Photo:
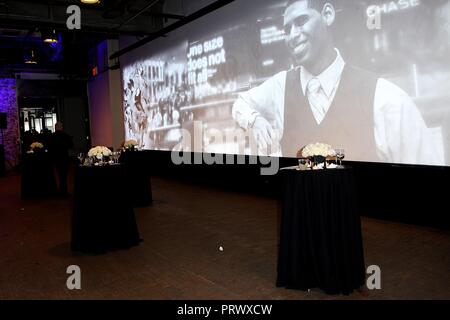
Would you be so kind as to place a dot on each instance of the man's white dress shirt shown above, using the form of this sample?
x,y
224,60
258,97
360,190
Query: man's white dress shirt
x,y
401,135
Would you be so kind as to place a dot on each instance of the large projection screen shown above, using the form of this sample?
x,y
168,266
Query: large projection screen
x,y
269,77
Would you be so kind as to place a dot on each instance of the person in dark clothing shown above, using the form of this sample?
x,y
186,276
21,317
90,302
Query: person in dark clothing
x,y
45,137
61,142
28,138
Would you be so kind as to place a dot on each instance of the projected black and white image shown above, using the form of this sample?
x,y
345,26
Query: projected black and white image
x,y
290,73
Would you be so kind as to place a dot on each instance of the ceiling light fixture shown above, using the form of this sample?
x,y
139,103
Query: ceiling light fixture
x,y
30,59
90,1
51,37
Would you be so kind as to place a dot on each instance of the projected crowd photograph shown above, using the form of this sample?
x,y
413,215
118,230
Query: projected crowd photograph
x,y
294,76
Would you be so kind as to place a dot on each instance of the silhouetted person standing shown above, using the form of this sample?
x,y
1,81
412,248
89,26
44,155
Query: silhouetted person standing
x,y
45,137
61,142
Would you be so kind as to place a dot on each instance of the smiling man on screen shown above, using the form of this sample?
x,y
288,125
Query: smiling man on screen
x,y
325,99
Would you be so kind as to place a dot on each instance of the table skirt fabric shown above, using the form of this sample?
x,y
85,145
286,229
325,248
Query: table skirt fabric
x,y
103,215
320,236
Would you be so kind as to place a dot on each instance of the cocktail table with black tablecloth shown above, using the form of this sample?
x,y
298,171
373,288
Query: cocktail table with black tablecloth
x,y
38,176
320,236
138,175
103,215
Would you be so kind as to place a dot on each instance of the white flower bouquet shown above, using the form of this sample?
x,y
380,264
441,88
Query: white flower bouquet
x,y
36,145
130,144
99,152
318,150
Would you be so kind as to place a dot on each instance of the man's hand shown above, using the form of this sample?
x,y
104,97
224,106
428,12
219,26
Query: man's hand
x,y
263,134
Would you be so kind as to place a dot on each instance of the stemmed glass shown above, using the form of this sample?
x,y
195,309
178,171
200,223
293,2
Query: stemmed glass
x,y
301,163
340,155
116,156
81,157
100,159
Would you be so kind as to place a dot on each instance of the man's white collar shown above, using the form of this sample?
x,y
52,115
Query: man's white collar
x,y
328,79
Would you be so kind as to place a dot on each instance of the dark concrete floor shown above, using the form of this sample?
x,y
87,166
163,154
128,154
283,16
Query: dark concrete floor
x,y
179,258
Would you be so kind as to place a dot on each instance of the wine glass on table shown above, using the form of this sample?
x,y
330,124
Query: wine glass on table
x,y
116,156
81,158
340,155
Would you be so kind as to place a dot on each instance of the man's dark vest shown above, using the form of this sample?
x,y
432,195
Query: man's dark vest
x,y
348,123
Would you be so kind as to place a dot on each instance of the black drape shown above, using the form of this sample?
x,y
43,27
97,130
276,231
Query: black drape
x,y
138,177
320,236
103,216
38,178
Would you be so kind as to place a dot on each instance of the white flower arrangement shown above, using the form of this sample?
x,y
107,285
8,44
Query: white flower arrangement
x,y
318,149
36,145
99,152
130,144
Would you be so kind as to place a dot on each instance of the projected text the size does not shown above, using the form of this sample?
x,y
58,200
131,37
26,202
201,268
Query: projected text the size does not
x,y
210,45
213,59
197,61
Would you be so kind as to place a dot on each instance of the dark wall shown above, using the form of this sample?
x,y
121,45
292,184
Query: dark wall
x,y
2,160
50,88
408,194
73,112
